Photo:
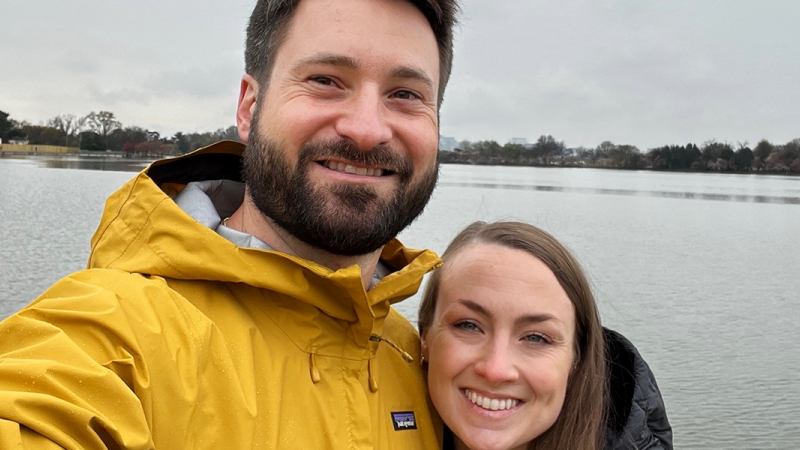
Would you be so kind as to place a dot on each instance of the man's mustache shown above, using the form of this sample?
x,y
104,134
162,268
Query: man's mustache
x,y
381,156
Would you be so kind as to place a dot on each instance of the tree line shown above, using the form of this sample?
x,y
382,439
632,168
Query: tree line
x,y
713,156
101,131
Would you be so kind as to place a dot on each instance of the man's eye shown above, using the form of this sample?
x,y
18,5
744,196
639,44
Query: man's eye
x,y
466,325
326,81
406,95
537,338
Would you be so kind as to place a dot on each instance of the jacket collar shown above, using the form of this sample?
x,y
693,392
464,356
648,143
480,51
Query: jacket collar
x,y
143,231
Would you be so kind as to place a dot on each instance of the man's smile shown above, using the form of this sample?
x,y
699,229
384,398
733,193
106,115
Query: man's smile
x,y
355,169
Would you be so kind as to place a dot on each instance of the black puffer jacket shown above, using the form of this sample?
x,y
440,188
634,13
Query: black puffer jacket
x,y
637,419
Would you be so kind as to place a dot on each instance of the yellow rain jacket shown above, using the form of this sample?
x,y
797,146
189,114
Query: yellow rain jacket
x,y
175,338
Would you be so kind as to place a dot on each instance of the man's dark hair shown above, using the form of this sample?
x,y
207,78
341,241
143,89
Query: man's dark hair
x,y
270,21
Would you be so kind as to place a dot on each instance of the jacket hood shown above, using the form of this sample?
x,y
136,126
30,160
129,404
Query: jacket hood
x,y
144,231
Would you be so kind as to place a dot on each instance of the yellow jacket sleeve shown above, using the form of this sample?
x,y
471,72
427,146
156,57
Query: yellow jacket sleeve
x,y
71,367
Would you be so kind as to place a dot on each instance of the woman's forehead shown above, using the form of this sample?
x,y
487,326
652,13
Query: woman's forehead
x,y
507,280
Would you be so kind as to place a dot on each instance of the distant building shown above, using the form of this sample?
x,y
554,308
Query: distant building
x,y
521,141
447,144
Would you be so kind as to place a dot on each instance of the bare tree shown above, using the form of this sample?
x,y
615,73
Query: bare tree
x,y
102,123
547,147
604,149
67,124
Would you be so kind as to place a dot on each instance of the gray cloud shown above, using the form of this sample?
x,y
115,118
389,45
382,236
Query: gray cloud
x,y
113,98
647,73
203,81
80,64
642,72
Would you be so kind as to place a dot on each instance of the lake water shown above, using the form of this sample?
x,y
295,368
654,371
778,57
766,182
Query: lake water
x,y
700,271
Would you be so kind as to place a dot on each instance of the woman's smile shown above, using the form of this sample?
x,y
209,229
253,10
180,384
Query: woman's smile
x,y
490,403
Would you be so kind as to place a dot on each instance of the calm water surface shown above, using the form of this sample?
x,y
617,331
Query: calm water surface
x,y
700,271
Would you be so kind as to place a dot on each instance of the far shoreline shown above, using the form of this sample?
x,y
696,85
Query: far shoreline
x,y
140,160
622,169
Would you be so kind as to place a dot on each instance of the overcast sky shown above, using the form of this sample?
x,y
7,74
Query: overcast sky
x,y
638,72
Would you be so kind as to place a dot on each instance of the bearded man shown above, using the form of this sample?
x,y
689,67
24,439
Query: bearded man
x,y
241,298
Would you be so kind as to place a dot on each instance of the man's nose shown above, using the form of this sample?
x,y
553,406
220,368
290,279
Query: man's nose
x,y
365,120
497,365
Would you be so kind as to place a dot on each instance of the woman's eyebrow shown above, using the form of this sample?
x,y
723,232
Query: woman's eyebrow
x,y
536,318
522,320
475,307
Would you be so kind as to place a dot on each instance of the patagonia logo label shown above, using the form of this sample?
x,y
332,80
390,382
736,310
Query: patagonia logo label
x,y
404,420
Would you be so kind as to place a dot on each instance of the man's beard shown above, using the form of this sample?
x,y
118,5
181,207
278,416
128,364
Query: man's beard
x,y
342,219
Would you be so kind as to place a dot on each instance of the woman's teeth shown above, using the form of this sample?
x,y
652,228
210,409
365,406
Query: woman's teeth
x,y
490,403
347,168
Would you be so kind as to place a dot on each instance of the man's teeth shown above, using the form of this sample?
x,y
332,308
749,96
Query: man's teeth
x,y
490,403
347,168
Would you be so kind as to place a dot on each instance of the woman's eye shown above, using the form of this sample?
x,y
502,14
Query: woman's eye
x,y
536,338
406,95
467,326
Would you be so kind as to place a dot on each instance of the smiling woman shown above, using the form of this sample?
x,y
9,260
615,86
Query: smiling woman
x,y
513,341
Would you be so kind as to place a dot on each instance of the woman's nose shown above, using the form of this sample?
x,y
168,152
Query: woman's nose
x,y
497,365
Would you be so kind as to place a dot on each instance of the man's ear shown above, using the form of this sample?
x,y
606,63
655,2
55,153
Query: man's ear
x,y
248,95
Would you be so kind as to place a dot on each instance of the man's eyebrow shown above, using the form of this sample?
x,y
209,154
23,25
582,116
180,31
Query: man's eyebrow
x,y
330,59
411,73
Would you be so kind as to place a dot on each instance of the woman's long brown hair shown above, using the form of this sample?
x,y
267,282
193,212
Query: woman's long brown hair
x,y
581,424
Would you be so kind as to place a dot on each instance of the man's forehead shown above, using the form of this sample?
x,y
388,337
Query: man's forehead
x,y
339,26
